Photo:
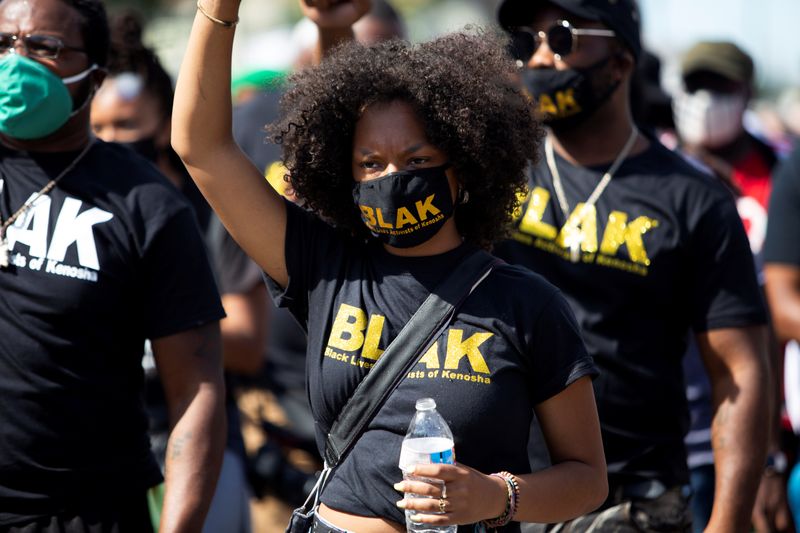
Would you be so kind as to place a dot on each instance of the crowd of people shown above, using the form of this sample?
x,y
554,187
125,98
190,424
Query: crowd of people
x,y
617,271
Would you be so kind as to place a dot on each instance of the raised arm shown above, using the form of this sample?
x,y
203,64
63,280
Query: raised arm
x,y
250,209
737,366
783,291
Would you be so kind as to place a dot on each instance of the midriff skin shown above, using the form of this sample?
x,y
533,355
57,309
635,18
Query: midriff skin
x,y
360,524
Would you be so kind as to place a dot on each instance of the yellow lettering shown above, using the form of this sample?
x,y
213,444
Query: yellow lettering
x,y
581,225
546,105
431,357
531,223
382,223
423,208
348,327
368,215
456,349
404,217
373,337
567,105
619,232
522,197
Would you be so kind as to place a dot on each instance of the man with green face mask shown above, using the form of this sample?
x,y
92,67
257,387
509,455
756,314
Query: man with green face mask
x,y
97,253
646,250
36,102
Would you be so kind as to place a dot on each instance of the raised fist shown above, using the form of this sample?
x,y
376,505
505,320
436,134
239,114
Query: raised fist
x,y
330,14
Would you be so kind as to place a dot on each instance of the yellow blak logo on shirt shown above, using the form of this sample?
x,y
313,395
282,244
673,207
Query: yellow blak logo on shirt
x,y
355,339
582,225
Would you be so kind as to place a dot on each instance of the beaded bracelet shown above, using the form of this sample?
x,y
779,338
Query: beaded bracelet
x,y
215,20
511,503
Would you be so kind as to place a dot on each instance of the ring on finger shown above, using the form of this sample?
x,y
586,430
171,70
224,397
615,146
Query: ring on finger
x,y
442,504
444,491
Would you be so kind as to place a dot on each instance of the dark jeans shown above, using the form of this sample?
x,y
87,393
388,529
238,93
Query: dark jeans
x,y
129,515
322,526
702,481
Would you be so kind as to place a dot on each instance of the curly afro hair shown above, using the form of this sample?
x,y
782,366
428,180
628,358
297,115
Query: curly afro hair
x,y
465,91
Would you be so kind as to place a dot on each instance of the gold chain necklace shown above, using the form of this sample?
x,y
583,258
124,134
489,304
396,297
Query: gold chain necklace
x,y
5,249
573,239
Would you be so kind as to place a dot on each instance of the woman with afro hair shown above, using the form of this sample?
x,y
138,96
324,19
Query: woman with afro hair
x,y
409,159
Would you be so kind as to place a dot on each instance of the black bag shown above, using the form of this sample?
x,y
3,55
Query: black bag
x,y
419,333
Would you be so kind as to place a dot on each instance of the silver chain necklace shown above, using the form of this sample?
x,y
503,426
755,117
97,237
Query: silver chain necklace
x,y
574,238
5,249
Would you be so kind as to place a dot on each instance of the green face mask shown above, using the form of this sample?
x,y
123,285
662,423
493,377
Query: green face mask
x,y
34,102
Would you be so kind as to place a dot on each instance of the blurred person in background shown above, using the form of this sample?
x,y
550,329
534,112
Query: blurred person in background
x,y
97,253
782,272
788,109
717,85
646,249
651,105
381,23
133,107
134,104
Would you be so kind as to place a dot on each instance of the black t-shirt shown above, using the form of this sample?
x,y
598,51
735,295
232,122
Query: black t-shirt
x,y
512,345
109,257
665,253
783,229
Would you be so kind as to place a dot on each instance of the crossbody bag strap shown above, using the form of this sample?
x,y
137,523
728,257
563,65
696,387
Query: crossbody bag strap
x,y
419,333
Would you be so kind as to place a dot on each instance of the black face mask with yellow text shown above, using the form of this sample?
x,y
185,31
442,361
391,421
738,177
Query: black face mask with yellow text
x,y
565,98
405,209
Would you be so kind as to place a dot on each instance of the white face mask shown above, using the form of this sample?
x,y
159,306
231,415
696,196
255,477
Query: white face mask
x,y
707,118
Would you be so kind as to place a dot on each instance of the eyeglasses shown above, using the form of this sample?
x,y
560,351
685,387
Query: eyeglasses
x,y
561,37
41,46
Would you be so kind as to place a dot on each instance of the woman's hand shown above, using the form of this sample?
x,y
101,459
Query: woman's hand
x,y
335,14
468,496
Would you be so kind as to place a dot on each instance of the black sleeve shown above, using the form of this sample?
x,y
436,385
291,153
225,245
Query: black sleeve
x,y
558,354
311,247
236,272
179,288
783,227
724,285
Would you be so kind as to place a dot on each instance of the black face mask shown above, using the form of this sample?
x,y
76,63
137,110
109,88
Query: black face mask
x,y
145,147
405,209
565,98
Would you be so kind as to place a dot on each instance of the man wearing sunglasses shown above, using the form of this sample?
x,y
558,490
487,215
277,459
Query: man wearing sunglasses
x,y
97,253
646,250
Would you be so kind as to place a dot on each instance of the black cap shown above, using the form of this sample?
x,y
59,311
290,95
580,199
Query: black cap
x,y
622,16
720,57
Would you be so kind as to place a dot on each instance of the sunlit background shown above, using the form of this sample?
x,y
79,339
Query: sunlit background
x,y
271,34
268,37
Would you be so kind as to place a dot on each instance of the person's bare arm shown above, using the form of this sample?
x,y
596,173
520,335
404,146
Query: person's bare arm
x,y
737,366
250,209
783,293
190,366
576,483
244,330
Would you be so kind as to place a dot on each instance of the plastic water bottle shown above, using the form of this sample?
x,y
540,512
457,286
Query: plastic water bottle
x,y
429,440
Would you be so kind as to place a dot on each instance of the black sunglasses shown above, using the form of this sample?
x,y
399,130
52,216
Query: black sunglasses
x,y
41,46
561,37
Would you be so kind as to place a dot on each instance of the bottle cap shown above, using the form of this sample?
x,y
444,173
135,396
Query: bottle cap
x,y
426,404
